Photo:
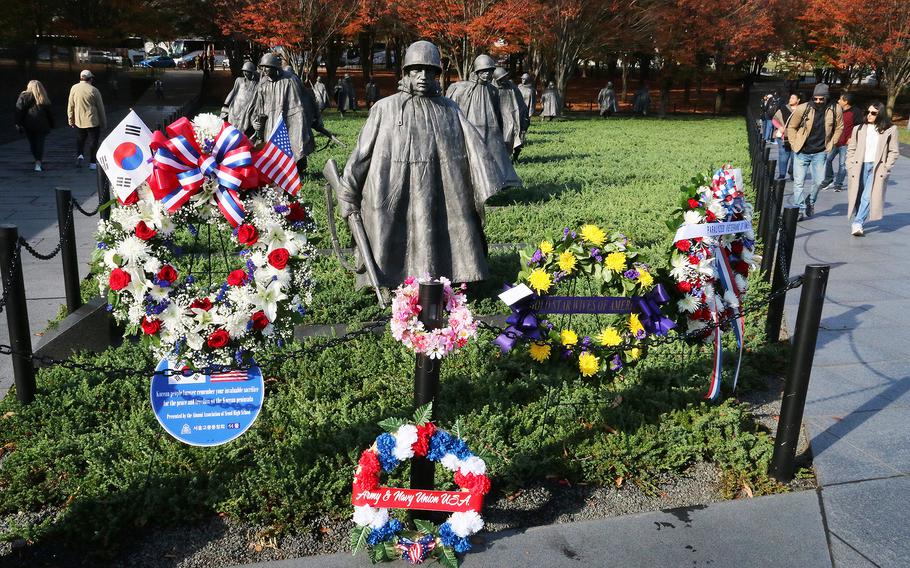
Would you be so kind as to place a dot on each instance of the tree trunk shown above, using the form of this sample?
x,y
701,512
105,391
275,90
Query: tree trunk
x,y
331,64
891,99
687,90
365,43
665,83
625,77
719,97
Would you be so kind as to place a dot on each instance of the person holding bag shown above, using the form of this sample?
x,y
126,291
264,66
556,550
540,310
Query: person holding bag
x,y
34,118
871,154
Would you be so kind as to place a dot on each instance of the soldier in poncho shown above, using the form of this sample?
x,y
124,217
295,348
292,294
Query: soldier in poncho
x,y
479,101
606,100
278,96
419,176
515,118
321,93
238,100
371,92
528,93
550,102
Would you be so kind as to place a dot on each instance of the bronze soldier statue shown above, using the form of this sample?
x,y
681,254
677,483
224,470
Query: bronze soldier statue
x,y
417,182
371,92
321,93
479,101
551,103
515,118
606,100
277,96
528,93
237,104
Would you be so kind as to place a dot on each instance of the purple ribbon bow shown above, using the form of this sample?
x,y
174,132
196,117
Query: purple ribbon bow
x,y
523,323
648,308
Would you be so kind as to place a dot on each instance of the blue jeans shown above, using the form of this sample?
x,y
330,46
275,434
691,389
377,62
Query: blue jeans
x,y
767,128
841,152
802,163
865,193
784,157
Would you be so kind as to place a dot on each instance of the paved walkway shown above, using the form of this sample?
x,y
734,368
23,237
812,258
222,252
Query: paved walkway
x,y
27,199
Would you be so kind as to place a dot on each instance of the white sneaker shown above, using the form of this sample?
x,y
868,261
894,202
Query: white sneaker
x,y
79,160
856,230
93,166
37,166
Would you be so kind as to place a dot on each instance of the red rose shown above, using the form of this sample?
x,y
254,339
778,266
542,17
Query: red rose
x,y
236,278
119,279
296,213
131,200
684,287
684,245
247,234
167,274
424,433
150,327
473,483
218,339
711,217
279,258
736,247
259,320
693,259
693,203
742,267
202,304
145,232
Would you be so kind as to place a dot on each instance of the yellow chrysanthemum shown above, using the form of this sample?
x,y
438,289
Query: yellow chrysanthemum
x,y
634,353
568,337
616,261
645,278
609,337
539,279
588,364
546,247
540,352
593,234
635,324
567,262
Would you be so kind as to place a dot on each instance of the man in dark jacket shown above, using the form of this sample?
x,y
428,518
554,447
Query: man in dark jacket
x,y
852,117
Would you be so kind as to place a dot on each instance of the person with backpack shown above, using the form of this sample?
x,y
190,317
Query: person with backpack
x,y
779,122
34,118
770,105
871,154
852,117
812,131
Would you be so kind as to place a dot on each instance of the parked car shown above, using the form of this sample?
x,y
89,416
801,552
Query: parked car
x,y
159,61
187,61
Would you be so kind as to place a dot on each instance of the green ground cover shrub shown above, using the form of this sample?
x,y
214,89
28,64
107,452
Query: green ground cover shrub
x,y
90,449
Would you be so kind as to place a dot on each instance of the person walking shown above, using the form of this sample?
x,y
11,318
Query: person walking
x,y
784,151
871,153
85,113
34,118
852,117
812,131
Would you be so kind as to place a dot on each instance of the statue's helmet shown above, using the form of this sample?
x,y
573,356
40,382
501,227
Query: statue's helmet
x,y
483,62
526,76
422,53
270,60
500,72
249,66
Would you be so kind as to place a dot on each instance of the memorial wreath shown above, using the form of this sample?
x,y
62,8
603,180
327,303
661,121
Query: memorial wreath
x,y
605,276
204,178
436,344
712,255
387,538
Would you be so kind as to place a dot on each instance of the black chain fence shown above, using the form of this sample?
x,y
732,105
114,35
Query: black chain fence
x,y
91,213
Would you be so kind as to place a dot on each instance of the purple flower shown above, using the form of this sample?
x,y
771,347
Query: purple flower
x,y
631,274
536,258
109,307
586,342
281,209
615,363
102,246
192,229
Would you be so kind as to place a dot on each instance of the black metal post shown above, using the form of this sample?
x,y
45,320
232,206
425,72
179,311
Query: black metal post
x,y
772,229
426,375
104,194
781,273
811,303
68,249
20,337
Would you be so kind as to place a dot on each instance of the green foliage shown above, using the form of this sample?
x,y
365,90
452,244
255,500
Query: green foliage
x,y
90,449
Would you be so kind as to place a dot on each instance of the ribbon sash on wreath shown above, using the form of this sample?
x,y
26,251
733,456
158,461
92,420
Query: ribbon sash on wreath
x,y
180,168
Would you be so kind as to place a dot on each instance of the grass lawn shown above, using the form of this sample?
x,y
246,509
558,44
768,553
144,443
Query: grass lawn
x,y
904,134
90,454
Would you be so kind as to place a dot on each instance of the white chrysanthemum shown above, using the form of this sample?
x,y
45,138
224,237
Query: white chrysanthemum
x,y
364,515
691,218
404,439
152,264
236,324
473,465
450,462
695,325
741,282
194,340
158,293
680,266
465,524
133,251
730,299
688,303
708,268
135,312
206,125
717,207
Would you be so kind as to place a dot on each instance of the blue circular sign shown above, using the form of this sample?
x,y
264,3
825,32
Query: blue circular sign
x,y
206,410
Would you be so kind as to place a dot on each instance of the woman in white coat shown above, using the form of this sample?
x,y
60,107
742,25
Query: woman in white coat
x,y
871,154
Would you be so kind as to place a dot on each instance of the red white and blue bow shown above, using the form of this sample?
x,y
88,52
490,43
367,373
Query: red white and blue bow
x,y
180,168
416,552
728,282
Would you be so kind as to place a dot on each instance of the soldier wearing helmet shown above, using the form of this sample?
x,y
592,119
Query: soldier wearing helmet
x,y
238,100
528,93
278,96
419,177
515,118
478,99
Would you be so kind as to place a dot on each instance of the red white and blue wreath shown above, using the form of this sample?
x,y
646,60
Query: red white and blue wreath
x,y
387,538
711,259
205,177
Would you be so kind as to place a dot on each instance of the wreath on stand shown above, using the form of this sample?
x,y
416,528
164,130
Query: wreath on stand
x,y
168,286
607,281
386,538
713,253
409,330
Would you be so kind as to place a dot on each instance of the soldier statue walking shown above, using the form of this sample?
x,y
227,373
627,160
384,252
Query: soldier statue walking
x,y
237,104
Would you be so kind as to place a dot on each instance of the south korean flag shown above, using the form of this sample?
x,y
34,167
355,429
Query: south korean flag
x,y
126,156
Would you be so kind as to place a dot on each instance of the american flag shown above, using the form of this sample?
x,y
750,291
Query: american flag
x,y
228,377
276,160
